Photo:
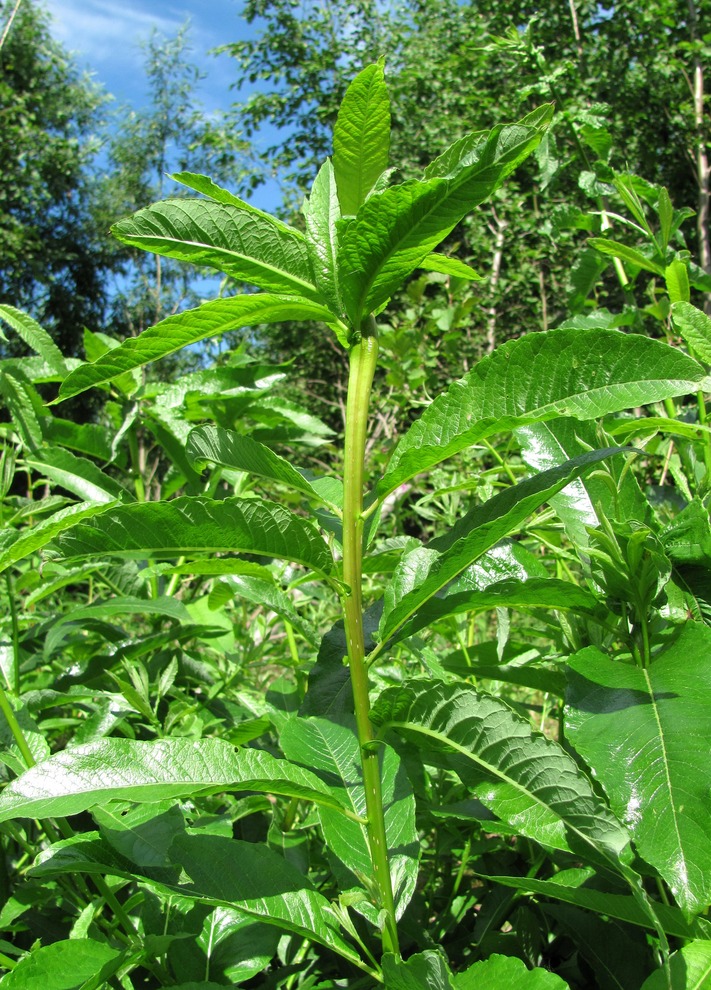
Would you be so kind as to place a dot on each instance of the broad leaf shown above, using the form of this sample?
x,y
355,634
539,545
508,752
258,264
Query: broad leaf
x,y
332,751
233,450
689,969
195,526
247,245
507,973
183,329
396,229
585,374
361,138
128,770
203,184
424,572
643,733
62,965
523,778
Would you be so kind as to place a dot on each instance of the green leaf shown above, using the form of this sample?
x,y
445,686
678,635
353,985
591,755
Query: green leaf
x,y
396,229
426,970
176,332
695,327
60,966
633,257
573,890
82,777
613,488
506,973
580,373
425,571
332,751
689,969
35,337
270,597
523,778
24,406
196,525
42,533
445,265
77,475
233,450
534,593
321,212
676,276
240,242
361,138
643,732
206,186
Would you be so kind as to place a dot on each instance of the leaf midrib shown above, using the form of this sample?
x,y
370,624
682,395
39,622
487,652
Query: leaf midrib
x,y
256,262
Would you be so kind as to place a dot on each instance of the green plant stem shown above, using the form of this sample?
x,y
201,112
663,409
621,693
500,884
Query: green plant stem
x,y
15,634
363,359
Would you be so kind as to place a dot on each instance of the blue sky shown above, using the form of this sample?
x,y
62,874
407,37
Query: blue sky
x,y
105,37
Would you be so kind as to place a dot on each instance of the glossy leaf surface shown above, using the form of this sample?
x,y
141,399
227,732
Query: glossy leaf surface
x,y
332,751
172,334
64,965
75,779
644,732
689,969
361,138
243,243
199,525
521,777
585,374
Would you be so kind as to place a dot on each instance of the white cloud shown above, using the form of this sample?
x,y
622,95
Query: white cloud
x,y
101,31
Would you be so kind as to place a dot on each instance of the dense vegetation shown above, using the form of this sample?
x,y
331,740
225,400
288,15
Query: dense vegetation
x,y
371,647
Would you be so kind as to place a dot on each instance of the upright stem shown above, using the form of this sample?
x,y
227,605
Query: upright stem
x,y
363,359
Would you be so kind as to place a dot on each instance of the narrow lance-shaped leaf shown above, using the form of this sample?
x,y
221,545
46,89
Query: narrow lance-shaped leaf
x,y
536,593
644,732
42,533
35,337
475,533
321,212
82,777
77,474
237,241
521,777
361,138
397,228
199,525
332,751
585,374
183,329
233,450
217,871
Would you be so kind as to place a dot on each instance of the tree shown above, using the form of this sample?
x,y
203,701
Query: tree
x,y
54,256
172,133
